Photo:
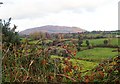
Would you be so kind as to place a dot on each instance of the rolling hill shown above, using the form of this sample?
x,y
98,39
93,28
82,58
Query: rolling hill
x,y
52,29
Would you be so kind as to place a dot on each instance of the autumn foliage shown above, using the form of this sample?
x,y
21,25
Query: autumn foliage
x,y
29,63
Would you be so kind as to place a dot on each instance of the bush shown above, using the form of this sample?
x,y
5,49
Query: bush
x,y
105,42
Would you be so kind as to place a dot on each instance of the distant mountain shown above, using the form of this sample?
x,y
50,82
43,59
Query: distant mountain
x,y
52,29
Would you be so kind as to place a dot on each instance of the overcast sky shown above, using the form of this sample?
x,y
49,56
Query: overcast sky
x,y
87,14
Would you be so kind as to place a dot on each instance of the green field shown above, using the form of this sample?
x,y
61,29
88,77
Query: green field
x,y
97,53
113,41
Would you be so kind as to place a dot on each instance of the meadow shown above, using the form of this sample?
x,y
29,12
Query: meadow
x,y
98,54
112,41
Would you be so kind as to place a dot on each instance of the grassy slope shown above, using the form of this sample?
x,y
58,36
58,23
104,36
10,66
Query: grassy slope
x,y
97,53
85,64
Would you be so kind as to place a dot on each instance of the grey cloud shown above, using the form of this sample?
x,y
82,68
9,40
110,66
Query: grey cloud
x,y
20,9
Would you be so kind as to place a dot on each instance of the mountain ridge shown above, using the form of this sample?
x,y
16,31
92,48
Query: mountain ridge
x,y
52,29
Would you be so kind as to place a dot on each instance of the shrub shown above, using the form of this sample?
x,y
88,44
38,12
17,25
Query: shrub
x,y
105,42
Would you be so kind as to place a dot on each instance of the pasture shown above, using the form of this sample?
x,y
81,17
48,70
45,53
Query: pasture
x,y
112,41
97,54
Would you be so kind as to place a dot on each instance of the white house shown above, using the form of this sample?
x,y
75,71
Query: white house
x,y
118,36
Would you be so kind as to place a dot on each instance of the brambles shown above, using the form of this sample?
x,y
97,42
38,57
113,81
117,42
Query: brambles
x,y
31,64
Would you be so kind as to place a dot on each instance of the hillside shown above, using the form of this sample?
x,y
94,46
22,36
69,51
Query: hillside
x,y
52,29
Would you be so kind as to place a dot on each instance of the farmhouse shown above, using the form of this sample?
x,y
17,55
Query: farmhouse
x,y
118,36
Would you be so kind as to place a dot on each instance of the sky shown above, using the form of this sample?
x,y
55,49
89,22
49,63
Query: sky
x,y
86,14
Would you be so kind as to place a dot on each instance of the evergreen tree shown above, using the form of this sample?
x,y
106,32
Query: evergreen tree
x,y
9,35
